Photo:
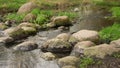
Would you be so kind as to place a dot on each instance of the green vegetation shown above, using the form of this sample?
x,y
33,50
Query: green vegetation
x,y
14,17
110,33
71,15
86,61
11,5
116,55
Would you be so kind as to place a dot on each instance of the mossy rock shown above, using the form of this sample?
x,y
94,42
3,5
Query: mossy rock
x,y
56,45
3,26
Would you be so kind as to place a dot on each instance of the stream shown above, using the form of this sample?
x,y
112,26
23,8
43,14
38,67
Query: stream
x,y
30,59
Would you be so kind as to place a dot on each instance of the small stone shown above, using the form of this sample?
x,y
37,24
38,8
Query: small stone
x,y
48,56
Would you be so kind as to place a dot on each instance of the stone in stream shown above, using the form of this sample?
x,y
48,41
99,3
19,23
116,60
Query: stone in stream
x,y
6,39
26,46
68,60
87,35
59,21
80,46
3,26
101,51
27,7
48,56
56,45
27,24
63,36
21,31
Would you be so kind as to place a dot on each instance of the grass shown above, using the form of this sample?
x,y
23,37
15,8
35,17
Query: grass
x,y
85,61
11,5
14,17
110,33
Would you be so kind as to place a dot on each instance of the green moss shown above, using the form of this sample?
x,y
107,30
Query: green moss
x,y
86,61
116,55
16,33
14,17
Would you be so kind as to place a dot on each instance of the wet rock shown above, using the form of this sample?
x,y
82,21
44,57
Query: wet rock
x,y
26,46
56,46
27,24
69,66
6,40
29,17
59,21
3,26
48,56
69,60
101,51
86,35
80,46
29,30
63,36
20,32
27,7
15,33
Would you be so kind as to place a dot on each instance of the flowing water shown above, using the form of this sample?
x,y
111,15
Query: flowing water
x,y
31,59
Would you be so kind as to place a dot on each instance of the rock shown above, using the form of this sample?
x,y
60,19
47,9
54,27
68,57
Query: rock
x,y
87,35
3,26
29,17
115,43
76,9
6,40
56,46
48,56
26,46
68,60
73,40
29,30
101,51
80,46
27,24
68,66
15,33
27,7
63,36
20,32
7,31
59,21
